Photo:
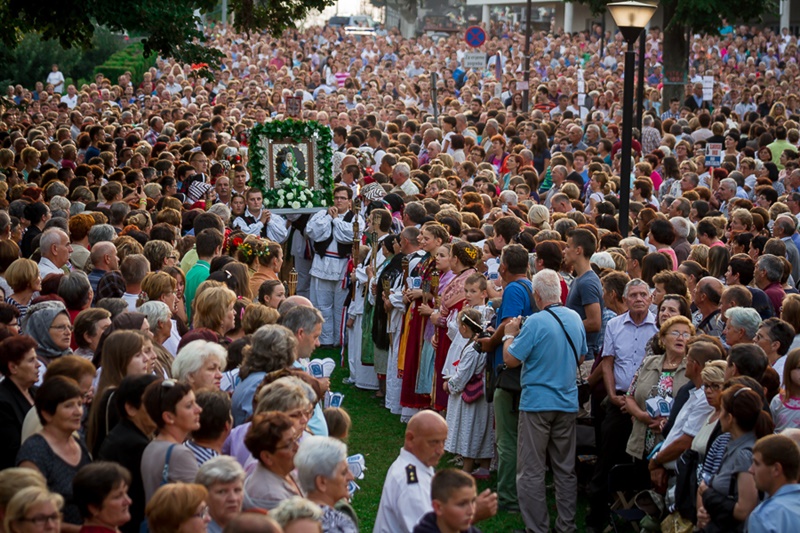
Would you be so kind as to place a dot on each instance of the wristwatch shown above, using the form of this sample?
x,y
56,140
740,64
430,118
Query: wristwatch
x,y
506,337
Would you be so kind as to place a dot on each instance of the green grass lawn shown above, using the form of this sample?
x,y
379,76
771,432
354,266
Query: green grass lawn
x,y
378,435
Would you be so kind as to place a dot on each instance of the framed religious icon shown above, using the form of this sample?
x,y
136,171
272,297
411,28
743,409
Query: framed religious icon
x,y
294,106
291,163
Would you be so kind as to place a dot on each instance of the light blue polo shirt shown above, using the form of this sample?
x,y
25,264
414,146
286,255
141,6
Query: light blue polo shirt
x,y
549,368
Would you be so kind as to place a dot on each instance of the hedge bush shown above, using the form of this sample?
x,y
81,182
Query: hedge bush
x,y
130,59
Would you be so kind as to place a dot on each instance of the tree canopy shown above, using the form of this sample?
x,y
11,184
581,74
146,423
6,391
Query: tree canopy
x,y
704,16
170,28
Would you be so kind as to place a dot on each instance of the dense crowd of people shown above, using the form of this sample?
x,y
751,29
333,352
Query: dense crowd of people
x,y
159,320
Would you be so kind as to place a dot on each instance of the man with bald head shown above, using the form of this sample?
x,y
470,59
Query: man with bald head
x,y
104,259
707,296
293,301
406,496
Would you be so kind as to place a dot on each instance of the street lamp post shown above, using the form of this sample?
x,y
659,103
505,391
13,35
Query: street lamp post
x,y
526,68
631,16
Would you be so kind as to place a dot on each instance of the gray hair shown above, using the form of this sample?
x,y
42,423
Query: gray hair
x,y
75,289
629,242
547,284
403,169
305,318
729,184
436,144
772,266
50,238
563,226
273,347
59,203
647,120
509,197
157,312
77,208
101,232
222,469
681,226
193,356
745,318
296,508
318,456
284,395
635,282
221,210
119,210
603,260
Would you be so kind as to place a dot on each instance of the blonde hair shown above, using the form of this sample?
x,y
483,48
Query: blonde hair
x,y
211,306
13,480
714,372
155,285
21,274
699,254
26,498
172,505
257,315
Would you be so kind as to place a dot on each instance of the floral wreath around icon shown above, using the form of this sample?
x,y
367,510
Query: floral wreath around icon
x,y
293,193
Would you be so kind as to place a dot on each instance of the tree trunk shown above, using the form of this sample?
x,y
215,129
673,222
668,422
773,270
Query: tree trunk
x,y
676,57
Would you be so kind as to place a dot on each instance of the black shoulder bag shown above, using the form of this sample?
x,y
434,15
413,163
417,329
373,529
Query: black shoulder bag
x,y
584,390
504,378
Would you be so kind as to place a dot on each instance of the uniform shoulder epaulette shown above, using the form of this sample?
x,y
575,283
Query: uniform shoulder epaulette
x,y
411,475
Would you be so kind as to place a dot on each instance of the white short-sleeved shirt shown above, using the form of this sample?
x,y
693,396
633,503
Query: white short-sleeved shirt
x,y
406,496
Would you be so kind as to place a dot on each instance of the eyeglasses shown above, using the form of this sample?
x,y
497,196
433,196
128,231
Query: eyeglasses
x,y
290,444
342,198
203,514
63,328
713,386
42,519
680,335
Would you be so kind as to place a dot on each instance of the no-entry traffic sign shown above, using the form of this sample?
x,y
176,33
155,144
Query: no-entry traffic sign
x,y
475,36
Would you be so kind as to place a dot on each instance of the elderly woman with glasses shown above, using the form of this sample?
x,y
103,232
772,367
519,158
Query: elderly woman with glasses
x,y
34,510
223,477
161,287
323,474
273,440
48,323
289,395
56,452
172,407
659,376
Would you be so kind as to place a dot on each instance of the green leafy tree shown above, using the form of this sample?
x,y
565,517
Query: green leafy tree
x,y
170,28
33,57
683,17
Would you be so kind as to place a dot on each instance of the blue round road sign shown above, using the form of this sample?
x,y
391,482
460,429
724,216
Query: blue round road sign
x,y
475,36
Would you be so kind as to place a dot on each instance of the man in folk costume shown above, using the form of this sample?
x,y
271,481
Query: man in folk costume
x,y
380,222
259,221
409,249
331,233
